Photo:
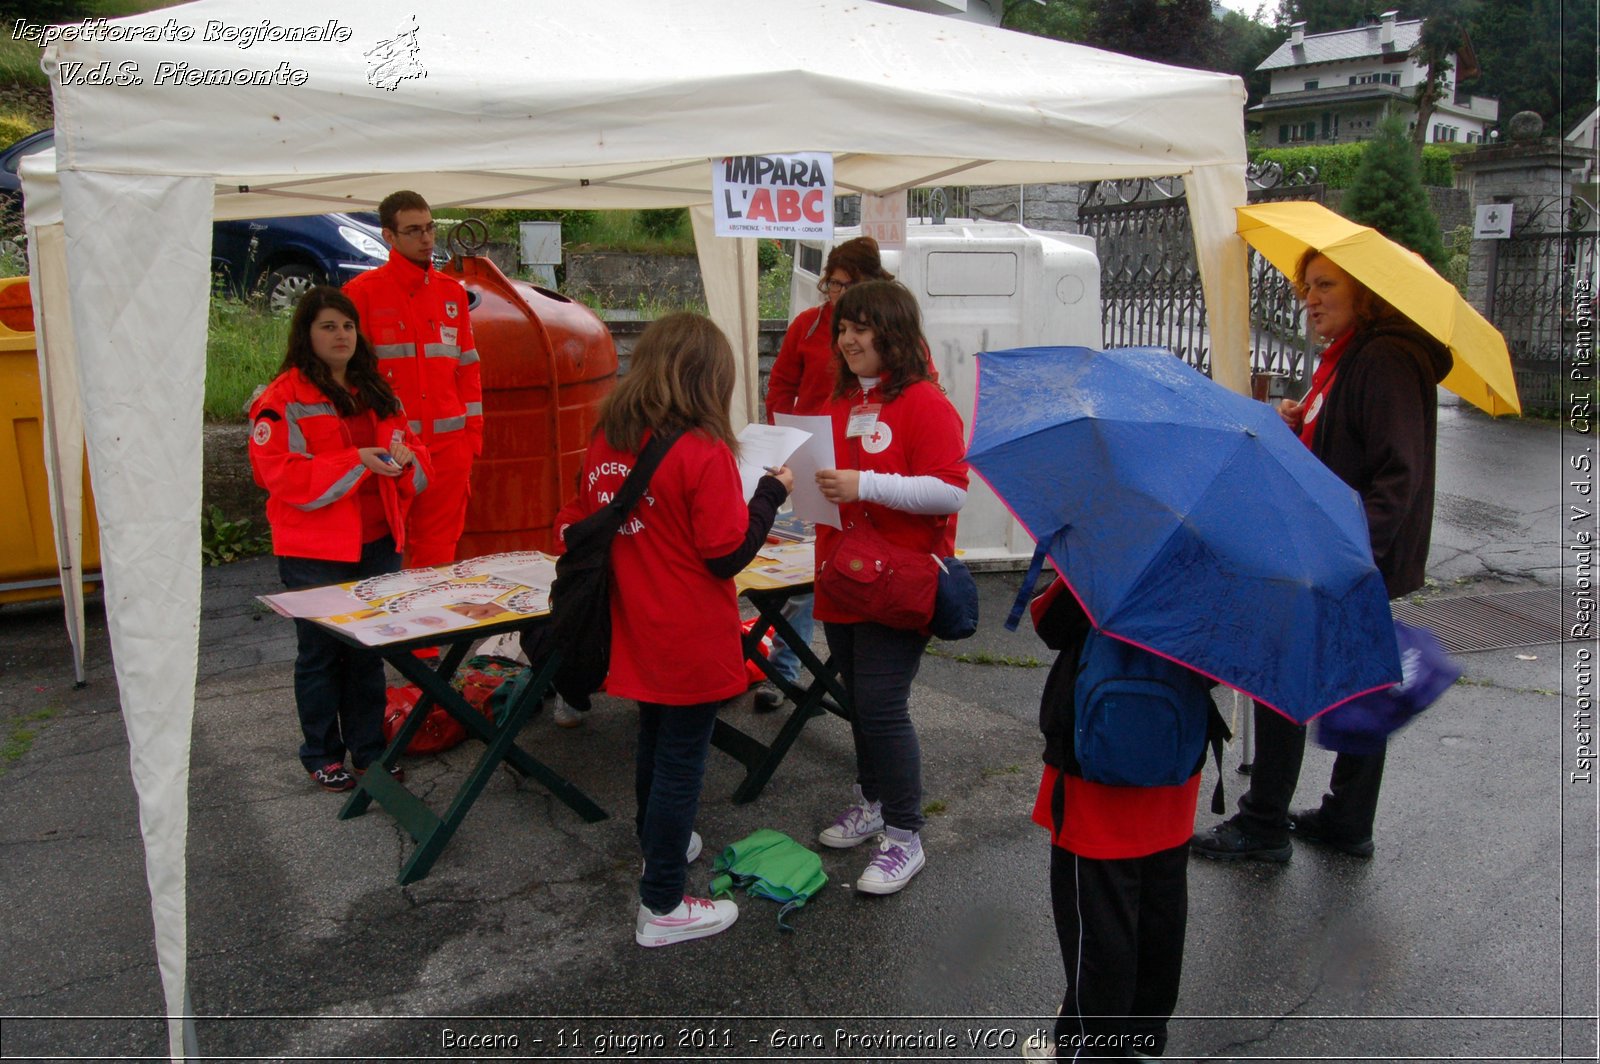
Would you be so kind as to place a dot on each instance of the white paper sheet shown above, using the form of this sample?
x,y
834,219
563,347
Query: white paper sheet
x,y
816,453
408,625
313,602
764,445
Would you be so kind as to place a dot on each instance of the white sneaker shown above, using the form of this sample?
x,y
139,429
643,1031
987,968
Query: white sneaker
x,y
564,715
1039,1047
689,854
899,857
693,918
855,825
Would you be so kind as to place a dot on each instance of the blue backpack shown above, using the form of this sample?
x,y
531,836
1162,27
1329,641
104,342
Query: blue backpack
x,y
1113,713
1139,720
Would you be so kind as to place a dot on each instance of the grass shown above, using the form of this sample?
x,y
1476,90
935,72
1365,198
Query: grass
x,y
244,347
19,736
935,808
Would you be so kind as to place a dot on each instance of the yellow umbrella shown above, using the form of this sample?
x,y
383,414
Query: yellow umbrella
x,y
1482,373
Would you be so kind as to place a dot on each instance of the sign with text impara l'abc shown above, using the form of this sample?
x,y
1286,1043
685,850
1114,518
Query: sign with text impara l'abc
x,y
785,196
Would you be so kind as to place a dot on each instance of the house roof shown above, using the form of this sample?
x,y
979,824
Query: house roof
x,y
1341,45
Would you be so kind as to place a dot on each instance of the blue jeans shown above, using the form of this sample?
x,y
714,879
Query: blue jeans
x,y
668,769
338,689
797,611
877,665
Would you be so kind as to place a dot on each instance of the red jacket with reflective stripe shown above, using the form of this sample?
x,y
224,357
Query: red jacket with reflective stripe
x,y
417,322
301,452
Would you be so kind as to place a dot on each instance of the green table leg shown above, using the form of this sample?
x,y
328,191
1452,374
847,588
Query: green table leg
x,y
825,694
431,832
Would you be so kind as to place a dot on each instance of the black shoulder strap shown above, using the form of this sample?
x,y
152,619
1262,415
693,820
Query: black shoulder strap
x,y
638,480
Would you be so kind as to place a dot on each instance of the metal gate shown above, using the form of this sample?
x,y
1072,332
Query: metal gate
x,y
1150,292
1530,295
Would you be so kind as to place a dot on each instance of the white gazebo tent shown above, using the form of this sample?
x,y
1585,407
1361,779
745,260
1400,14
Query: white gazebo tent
x,y
506,103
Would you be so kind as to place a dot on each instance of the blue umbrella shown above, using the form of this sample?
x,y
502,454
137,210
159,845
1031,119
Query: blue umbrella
x,y
1188,520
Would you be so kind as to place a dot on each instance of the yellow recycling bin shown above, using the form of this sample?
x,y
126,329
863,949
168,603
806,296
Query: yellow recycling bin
x,y
28,566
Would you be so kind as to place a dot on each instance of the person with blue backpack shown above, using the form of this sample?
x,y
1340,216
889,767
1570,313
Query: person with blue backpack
x,y
1372,417
1126,734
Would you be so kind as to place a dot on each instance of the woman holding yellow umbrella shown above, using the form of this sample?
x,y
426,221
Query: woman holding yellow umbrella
x,y
1371,415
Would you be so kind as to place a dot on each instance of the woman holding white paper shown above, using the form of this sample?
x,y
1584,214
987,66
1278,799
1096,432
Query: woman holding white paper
x,y
802,382
901,449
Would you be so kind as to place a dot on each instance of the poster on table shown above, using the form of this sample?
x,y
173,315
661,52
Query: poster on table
x,y
417,602
789,197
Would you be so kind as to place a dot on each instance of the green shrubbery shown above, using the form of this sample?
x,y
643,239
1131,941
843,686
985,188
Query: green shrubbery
x,y
1337,163
1387,195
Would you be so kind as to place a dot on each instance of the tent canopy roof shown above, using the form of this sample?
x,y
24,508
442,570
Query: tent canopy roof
x,y
620,103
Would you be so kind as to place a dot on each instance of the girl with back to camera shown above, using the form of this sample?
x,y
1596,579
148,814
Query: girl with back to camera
x,y
675,645
901,451
330,444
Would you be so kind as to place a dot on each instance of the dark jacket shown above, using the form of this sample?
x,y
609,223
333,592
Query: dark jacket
x,y
1377,431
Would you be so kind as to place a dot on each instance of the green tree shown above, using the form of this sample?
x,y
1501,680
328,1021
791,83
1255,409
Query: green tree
x,y
1441,38
1387,194
1245,43
1060,20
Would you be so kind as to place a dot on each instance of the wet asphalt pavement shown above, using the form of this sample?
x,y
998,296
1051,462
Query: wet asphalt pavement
x,y
1470,935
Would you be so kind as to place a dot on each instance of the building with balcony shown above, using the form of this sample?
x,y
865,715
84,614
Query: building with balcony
x,y
1334,88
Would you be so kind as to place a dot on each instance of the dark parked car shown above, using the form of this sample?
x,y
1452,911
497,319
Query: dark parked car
x,y
280,258
276,259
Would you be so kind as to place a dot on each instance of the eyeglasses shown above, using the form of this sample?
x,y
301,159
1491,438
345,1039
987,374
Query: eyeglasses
x,y
412,232
828,286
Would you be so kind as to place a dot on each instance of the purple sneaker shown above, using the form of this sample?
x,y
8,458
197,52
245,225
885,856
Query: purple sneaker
x,y
899,857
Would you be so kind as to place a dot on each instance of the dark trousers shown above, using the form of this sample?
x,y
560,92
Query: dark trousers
x,y
338,689
669,767
1348,809
877,665
1121,925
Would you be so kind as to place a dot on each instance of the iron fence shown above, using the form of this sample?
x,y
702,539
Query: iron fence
x,y
1150,292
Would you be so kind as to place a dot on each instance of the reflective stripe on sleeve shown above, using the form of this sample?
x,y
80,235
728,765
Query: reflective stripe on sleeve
x,y
393,350
419,479
338,490
295,411
450,424
469,357
474,409
414,426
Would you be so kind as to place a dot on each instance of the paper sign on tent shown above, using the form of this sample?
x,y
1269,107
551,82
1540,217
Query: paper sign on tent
x,y
816,453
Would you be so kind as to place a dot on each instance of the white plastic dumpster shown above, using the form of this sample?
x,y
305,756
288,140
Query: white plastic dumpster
x,y
983,286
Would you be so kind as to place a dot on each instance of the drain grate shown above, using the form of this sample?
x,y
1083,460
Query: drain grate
x,y
1489,622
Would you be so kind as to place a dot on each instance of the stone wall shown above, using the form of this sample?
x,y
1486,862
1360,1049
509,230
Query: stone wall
x,y
1048,207
625,279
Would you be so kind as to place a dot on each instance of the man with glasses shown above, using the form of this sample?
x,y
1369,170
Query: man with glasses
x,y
416,318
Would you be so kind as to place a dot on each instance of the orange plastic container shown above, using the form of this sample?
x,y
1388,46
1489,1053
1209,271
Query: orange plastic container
x,y
28,567
546,363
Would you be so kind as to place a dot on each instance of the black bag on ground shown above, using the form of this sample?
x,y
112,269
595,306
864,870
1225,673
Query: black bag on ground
x,y
580,598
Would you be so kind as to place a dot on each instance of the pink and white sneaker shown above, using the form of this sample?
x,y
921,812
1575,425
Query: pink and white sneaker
x,y
693,918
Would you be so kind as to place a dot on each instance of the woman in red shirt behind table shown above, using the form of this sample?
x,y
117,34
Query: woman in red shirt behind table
x,y
329,442
802,382
675,644
901,451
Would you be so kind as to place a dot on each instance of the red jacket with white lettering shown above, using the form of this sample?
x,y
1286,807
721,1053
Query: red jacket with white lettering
x,y
417,322
301,452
